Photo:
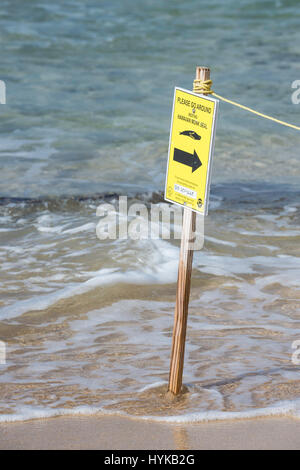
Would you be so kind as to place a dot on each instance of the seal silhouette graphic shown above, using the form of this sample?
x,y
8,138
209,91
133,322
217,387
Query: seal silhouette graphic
x,y
191,134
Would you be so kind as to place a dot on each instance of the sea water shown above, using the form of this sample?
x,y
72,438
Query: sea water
x,y
87,324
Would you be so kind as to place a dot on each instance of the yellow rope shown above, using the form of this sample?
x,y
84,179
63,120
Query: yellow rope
x,y
201,86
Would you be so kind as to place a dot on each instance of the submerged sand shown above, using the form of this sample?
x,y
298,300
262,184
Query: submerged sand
x,y
119,433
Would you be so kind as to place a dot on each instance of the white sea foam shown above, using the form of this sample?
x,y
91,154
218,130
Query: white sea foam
x,y
150,386
156,262
161,269
219,242
228,265
289,209
284,408
290,409
27,413
82,228
62,229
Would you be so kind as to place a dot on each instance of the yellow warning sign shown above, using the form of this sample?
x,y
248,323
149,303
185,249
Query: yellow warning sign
x,y
190,150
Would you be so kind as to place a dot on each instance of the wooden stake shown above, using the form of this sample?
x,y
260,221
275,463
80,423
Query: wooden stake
x,y
183,286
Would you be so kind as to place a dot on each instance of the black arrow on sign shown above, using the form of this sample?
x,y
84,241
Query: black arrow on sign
x,y
188,159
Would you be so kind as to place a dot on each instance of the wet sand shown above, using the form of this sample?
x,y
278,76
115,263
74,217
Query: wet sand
x,y
118,433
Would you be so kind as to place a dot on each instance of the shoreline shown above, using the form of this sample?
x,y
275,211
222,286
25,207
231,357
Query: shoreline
x,y
112,432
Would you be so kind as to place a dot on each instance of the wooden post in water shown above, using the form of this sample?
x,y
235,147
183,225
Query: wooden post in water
x,y
183,286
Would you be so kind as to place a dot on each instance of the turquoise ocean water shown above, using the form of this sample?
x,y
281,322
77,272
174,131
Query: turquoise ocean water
x,y
87,324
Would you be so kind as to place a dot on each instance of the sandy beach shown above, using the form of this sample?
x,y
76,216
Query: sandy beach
x,y
118,433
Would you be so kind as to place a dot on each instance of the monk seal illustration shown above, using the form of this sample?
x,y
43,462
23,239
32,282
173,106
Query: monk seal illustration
x,y
191,134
